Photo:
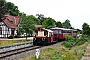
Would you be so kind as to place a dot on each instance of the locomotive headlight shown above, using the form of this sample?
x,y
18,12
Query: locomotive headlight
x,y
34,39
43,39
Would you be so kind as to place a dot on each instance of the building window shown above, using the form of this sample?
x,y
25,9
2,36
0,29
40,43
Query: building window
x,y
0,30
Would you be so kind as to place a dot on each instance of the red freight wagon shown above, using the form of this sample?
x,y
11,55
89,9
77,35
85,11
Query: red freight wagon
x,y
74,34
60,33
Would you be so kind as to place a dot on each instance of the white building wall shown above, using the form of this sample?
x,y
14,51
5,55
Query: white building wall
x,y
6,32
15,32
1,23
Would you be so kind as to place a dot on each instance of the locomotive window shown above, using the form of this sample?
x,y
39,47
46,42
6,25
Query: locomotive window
x,y
36,33
55,31
69,31
59,31
74,31
63,31
45,33
40,33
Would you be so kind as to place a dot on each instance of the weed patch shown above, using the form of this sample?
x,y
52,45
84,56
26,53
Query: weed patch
x,y
60,53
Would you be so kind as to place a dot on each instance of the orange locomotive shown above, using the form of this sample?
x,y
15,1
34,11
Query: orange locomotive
x,y
43,36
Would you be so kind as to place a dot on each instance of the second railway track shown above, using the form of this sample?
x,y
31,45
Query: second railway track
x,y
5,55
17,51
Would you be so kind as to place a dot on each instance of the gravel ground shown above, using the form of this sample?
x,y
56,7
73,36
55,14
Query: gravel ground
x,y
53,45
31,53
87,53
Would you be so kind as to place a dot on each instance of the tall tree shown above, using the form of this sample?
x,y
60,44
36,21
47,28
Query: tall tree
x,y
33,18
67,24
86,29
79,31
59,24
40,17
12,9
27,24
2,9
48,23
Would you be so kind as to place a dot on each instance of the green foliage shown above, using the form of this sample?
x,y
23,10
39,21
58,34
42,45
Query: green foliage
x,y
41,18
82,40
68,56
11,37
48,23
69,41
12,9
79,31
34,19
8,8
27,24
86,29
69,38
3,9
66,24
17,36
59,24
59,52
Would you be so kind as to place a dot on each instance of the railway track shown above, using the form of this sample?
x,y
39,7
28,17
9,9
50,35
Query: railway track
x,y
6,55
15,52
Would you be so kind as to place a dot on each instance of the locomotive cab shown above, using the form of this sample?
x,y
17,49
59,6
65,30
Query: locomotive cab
x,y
43,36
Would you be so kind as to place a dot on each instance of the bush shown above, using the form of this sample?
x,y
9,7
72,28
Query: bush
x,y
69,38
82,40
17,36
10,37
69,41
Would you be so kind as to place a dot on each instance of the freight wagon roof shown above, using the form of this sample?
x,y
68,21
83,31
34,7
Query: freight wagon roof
x,y
48,30
68,29
56,28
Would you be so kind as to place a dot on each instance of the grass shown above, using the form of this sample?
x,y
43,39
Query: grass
x,y
8,42
60,53
3,43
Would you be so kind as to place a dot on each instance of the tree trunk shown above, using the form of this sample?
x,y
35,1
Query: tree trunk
x,y
26,36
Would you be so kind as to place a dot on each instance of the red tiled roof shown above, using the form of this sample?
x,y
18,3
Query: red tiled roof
x,y
11,21
17,19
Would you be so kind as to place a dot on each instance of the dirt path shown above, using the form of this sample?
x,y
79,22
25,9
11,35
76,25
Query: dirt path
x,y
86,55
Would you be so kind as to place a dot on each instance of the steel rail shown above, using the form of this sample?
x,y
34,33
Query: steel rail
x,y
17,51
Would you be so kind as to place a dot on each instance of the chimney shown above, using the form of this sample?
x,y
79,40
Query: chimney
x,y
14,20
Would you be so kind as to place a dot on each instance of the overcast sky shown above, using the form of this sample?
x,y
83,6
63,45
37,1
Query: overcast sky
x,y
77,11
